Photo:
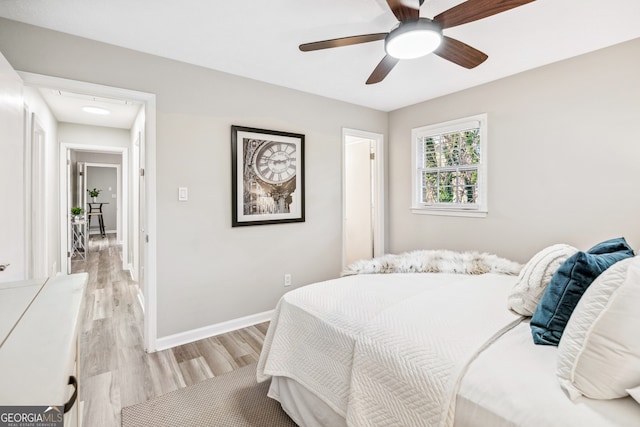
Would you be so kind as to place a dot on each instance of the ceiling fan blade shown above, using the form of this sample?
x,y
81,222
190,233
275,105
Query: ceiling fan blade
x,y
343,41
384,67
473,10
460,53
405,10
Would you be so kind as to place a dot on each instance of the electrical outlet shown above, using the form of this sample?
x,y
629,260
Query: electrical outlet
x,y
287,279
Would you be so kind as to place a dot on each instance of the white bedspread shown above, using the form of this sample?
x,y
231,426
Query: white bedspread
x,y
514,383
386,350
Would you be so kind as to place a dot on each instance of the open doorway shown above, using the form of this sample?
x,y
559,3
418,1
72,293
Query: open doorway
x,y
103,175
140,141
363,195
105,167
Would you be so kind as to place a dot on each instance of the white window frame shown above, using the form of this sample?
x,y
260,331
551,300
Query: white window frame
x,y
479,210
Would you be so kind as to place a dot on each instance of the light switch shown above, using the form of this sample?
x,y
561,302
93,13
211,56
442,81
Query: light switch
x,y
183,194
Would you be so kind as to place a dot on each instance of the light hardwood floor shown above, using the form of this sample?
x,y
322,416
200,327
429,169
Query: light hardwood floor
x,y
115,371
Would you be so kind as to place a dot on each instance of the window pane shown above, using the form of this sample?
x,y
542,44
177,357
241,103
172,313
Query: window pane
x,y
470,147
446,194
467,186
429,195
429,187
450,149
429,152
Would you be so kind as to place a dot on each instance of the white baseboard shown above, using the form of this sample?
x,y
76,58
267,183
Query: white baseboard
x,y
80,413
186,337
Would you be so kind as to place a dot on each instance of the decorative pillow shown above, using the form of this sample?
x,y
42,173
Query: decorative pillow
x,y
609,246
564,291
599,354
535,276
635,393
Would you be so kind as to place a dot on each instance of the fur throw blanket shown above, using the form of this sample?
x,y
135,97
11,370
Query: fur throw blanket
x,y
435,261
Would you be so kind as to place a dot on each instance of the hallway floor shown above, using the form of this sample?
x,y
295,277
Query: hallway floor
x,y
115,371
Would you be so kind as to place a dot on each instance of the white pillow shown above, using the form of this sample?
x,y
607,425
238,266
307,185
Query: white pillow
x,y
635,393
535,276
599,353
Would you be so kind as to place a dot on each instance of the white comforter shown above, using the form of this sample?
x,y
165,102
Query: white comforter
x,y
386,350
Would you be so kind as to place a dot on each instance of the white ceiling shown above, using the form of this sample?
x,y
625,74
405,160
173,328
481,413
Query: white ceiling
x,y
68,107
259,39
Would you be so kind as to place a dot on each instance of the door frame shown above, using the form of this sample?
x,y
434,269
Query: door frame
x,y
150,254
122,197
378,191
36,241
38,203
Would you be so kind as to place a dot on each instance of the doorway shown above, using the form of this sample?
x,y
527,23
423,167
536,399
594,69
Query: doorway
x,y
363,195
105,177
145,136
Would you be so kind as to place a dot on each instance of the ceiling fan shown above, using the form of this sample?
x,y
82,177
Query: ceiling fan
x,y
414,36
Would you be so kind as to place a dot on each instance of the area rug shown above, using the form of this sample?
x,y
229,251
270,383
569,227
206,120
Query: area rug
x,y
234,399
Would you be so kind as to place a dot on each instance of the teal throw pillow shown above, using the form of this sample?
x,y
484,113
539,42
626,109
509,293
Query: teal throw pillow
x,y
612,245
567,285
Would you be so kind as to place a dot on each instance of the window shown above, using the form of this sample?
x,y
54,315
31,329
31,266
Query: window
x,y
449,168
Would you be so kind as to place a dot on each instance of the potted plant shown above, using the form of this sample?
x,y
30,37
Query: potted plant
x,y
94,194
76,212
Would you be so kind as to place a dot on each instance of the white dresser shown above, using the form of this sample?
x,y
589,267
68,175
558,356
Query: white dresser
x,y
39,323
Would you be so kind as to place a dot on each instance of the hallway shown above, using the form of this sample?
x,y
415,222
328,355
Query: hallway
x,y
114,369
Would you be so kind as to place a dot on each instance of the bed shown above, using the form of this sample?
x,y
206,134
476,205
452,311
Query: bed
x,y
418,349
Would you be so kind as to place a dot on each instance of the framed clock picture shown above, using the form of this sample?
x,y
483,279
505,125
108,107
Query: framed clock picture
x,y
267,176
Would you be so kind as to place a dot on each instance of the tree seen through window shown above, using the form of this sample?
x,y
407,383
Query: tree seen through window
x,y
449,167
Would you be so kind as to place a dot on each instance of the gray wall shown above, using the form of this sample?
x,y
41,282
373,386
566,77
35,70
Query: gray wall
x,y
106,180
209,272
563,159
88,157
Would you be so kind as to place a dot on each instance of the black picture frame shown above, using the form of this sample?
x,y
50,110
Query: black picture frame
x,y
267,175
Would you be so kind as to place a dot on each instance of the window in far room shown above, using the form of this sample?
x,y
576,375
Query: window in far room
x,y
449,168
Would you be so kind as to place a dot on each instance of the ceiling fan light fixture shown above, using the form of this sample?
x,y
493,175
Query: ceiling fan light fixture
x,y
413,39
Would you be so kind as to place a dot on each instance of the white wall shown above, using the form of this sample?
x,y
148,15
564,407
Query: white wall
x,y
209,272
73,133
563,159
93,157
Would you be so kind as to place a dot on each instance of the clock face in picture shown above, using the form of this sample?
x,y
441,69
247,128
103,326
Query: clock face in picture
x,y
275,162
